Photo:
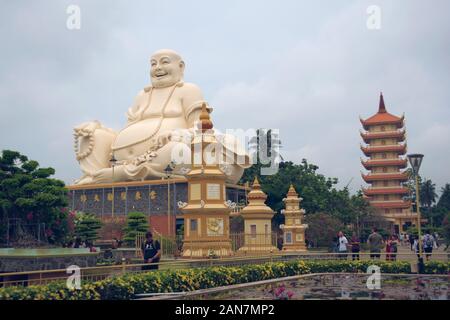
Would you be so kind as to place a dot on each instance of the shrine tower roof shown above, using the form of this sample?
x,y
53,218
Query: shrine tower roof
x,y
382,116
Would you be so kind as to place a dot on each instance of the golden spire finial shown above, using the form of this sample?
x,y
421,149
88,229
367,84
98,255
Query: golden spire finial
x,y
292,190
205,121
256,184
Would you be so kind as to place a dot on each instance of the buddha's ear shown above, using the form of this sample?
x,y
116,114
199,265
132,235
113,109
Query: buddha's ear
x,y
182,65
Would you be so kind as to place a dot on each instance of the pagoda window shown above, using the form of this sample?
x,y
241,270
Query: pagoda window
x,y
385,183
383,128
386,197
386,211
253,231
213,191
385,170
193,225
288,237
195,191
384,155
383,142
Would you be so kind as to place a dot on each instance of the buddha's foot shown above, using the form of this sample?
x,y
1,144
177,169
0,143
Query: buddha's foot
x,y
84,180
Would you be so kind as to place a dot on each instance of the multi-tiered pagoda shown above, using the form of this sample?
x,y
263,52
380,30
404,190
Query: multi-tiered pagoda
x,y
384,136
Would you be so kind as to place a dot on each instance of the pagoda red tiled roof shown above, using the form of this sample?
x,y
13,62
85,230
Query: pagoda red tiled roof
x,y
402,176
382,117
400,149
381,191
367,136
401,163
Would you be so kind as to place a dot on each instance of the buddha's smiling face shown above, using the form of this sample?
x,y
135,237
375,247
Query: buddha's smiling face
x,y
166,68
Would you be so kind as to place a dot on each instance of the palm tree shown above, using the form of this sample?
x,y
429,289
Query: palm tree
x,y
428,196
444,200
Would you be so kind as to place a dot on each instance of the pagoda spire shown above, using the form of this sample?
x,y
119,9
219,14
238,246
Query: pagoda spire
x,y
256,193
381,107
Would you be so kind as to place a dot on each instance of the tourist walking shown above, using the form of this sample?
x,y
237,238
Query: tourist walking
x,y
151,251
375,242
411,241
356,248
391,248
415,246
428,244
342,245
406,240
436,239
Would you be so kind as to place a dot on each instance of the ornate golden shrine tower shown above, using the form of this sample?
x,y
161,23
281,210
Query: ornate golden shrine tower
x,y
257,223
293,229
206,214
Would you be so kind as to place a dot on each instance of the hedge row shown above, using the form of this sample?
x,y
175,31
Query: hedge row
x,y
128,285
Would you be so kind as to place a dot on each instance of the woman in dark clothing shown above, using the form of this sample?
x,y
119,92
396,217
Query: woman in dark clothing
x,y
356,248
391,248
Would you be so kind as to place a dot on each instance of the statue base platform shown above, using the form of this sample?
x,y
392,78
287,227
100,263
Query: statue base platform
x,y
158,199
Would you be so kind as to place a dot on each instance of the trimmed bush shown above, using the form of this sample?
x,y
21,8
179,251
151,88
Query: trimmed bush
x,y
136,223
437,267
128,285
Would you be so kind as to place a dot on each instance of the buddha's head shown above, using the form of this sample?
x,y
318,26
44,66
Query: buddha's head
x,y
166,68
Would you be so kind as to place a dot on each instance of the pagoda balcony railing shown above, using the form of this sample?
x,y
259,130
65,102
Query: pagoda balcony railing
x,y
387,201
398,148
367,136
390,204
386,188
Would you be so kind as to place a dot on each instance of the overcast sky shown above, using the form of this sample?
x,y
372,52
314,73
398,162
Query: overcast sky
x,y
308,68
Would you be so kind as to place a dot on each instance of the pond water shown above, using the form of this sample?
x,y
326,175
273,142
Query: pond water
x,y
337,286
12,252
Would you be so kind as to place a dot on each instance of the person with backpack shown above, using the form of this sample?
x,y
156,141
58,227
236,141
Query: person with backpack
x,y
151,251
356,248
375,242
428,244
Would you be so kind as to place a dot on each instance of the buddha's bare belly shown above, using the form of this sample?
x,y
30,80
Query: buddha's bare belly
x,y
140,137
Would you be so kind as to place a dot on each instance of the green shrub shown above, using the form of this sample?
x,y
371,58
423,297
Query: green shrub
x,y
136,223
87,226
127,286
437,267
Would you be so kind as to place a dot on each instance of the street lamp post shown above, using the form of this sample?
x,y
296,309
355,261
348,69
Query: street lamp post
x,y
168,170
113,161
416,160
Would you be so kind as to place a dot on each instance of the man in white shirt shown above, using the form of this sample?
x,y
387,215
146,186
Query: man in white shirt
x,y
342,246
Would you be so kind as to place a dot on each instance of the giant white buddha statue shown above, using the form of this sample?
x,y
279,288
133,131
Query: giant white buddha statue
x,y
159,121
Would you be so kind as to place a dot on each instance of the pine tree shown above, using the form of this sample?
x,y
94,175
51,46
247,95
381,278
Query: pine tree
x,y
87,226
136,222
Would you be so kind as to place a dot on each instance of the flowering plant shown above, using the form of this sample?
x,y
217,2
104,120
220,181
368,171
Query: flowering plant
x,y
281,293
